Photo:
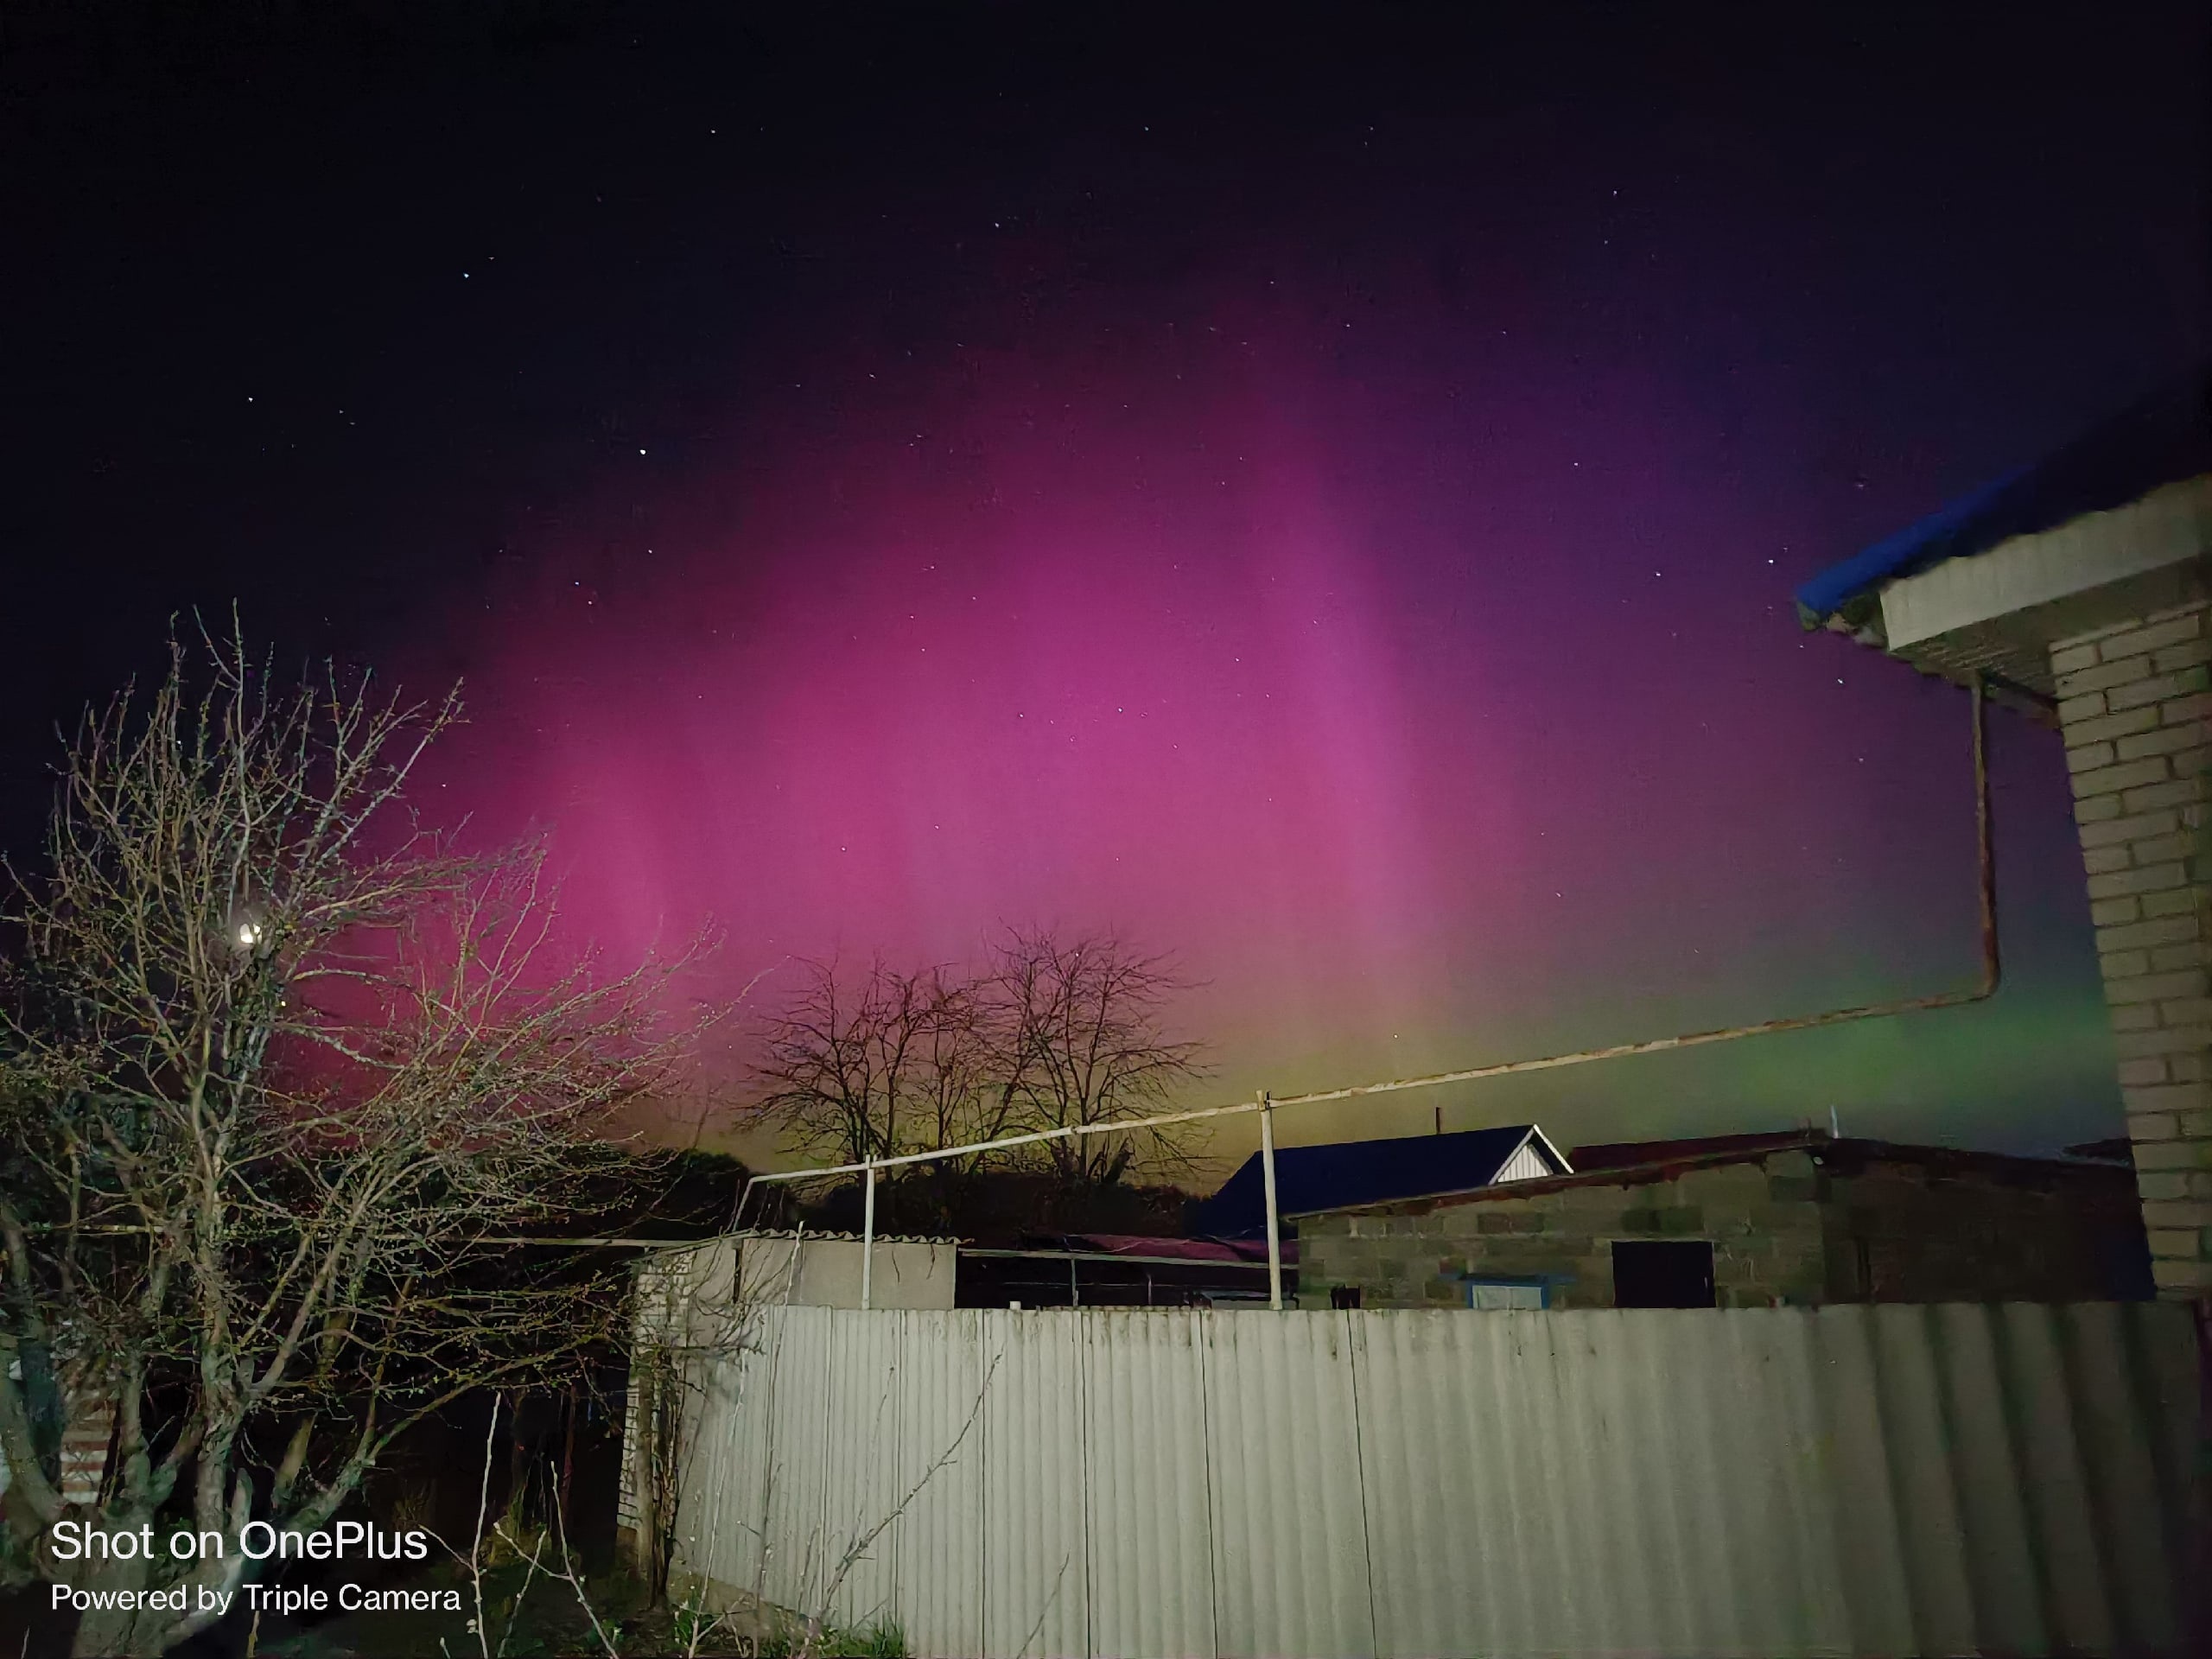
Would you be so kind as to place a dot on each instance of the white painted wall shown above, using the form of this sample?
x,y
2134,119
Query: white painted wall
x,y
907,1272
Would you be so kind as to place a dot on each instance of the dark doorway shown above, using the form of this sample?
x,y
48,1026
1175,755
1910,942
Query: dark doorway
x,y
1672,1273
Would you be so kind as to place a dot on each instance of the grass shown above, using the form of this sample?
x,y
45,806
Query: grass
x,y
547,1623
879,1639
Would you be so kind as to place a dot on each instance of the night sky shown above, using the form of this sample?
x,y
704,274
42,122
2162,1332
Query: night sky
x,y
1317,491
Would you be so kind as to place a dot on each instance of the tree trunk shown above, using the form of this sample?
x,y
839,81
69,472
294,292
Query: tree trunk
x,y
113,1633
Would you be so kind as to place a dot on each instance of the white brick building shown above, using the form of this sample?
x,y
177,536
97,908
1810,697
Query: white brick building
x,y
2081,589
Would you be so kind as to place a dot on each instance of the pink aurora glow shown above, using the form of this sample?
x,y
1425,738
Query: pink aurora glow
x,y
1388,760
917,717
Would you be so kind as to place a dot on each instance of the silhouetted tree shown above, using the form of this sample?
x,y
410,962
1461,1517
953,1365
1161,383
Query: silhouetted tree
x,y
275,1066
1082,1041
1049,1035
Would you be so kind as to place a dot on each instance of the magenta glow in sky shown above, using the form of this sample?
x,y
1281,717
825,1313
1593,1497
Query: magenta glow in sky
x,y
932,698
1157,639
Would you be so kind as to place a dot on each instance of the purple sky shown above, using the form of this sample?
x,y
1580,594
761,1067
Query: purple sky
x,y
1323,499
1431,708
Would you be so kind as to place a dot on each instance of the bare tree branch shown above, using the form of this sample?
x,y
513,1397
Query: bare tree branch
x,y
274,1058
1051,1033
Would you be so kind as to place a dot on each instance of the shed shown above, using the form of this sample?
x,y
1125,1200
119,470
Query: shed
x,y
1800,1217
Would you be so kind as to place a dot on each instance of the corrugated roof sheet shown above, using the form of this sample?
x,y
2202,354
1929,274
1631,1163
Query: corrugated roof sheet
x,y
1309,1179
2164,438
814,1236
1191,1249
1622,1155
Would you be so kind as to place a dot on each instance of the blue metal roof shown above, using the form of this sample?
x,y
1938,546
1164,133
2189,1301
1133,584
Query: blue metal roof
x,y
2164,438
1312,1179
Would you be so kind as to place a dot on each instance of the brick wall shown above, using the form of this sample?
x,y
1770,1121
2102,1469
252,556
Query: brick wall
x,y
2135,708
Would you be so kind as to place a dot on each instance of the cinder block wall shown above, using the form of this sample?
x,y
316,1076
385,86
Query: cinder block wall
x,y
1852,1225
1765,1225
1914,1233
2137,714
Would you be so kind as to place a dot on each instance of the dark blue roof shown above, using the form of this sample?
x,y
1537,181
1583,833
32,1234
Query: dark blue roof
x,y
1311,1179
2166,437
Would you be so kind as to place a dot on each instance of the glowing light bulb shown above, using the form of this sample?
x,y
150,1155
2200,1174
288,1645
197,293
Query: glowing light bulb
x,y
248,934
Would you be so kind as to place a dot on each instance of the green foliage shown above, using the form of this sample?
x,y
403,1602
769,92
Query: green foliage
x,y
881,1638
692,1623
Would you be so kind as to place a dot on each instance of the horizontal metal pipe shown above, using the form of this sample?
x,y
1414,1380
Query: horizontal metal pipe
x,y
1105,1256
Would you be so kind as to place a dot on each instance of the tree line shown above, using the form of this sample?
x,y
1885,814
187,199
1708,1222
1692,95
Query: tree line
x,y
1049,1032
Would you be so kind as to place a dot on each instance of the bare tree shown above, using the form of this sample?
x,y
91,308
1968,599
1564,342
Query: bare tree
x,y
874,1063
278,1067
1083,1041
963,1094
1052,1034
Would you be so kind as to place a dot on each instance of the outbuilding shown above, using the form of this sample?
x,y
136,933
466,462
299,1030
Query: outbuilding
x,y
1797,1219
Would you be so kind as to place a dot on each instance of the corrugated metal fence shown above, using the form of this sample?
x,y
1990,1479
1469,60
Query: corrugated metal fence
x,y
1855,1480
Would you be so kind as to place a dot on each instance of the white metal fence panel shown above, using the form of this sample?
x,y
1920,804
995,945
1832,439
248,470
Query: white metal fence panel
x,y
863,1454
1489,1511
1036,1541
1151,1569
1857,1480
1290,1537
719,1476
794,1415
2137,1484
937,1544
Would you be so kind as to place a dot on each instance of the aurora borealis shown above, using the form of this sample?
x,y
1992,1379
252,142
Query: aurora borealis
x,y
1329,511
1087,668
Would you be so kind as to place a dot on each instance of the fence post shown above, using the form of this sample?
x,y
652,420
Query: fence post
x,y
868,1235
1268,1183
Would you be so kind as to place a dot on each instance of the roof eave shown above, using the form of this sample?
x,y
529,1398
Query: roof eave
x,y
2004,688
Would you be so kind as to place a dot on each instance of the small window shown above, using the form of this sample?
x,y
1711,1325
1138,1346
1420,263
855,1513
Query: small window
x,y
1662,1272
1344,1296
1492,1295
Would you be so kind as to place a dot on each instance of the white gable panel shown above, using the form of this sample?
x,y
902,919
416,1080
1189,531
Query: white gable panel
x,y
1526,1165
